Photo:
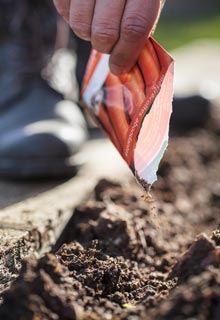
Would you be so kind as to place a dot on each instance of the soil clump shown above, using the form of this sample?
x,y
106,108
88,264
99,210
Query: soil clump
x,y
123,258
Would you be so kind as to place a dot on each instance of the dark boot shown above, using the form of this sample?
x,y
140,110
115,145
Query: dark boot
x,y
189,112
39,130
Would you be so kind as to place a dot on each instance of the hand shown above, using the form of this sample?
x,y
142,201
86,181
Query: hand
x,y
117,27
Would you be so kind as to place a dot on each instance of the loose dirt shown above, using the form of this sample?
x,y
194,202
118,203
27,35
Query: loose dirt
x,y
123,258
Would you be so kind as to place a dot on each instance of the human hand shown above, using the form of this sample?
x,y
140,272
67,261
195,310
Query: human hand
x,y
117,27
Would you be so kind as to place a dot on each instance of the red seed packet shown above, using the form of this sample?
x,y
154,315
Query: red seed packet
x,y
133,109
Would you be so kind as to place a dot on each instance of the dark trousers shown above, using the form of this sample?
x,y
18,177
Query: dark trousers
x,y
34,24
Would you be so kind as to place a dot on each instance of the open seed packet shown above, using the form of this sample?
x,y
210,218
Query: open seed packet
x,y
133,109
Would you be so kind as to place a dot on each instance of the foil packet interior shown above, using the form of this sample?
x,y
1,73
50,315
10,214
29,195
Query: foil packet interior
x,y
133,109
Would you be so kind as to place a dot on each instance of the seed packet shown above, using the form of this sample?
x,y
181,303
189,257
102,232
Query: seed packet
x,y
133,109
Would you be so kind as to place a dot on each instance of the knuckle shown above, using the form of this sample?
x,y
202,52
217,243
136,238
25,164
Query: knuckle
x,y
104,34
81,29
133,28
118,60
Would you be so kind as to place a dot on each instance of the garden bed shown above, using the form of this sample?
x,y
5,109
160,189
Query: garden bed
x,y
125,256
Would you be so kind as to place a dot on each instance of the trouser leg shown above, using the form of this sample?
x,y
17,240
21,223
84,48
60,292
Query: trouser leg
x,y
83,49
33,25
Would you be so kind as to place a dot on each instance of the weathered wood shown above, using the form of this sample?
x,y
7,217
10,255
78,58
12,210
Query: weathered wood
x,y
33,225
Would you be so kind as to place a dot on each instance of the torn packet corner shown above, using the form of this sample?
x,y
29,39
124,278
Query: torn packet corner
x,y
133,109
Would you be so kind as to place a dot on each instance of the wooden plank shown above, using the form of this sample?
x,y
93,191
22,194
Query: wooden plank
x,y
33,225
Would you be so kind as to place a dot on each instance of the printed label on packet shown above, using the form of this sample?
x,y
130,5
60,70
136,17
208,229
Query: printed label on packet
x,y
133,109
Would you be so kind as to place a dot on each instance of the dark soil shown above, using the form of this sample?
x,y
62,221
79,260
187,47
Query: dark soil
x,y
125,258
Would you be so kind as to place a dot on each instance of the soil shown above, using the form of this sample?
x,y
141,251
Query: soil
x,y
126,258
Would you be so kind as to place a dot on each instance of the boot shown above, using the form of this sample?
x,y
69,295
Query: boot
x,y
40,132
189,112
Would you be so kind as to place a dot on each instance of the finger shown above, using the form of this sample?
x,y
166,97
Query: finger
x,y
63,8
106,24
136,25
81,14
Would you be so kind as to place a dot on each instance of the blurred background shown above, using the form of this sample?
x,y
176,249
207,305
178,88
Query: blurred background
x,y
184,21
190,30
